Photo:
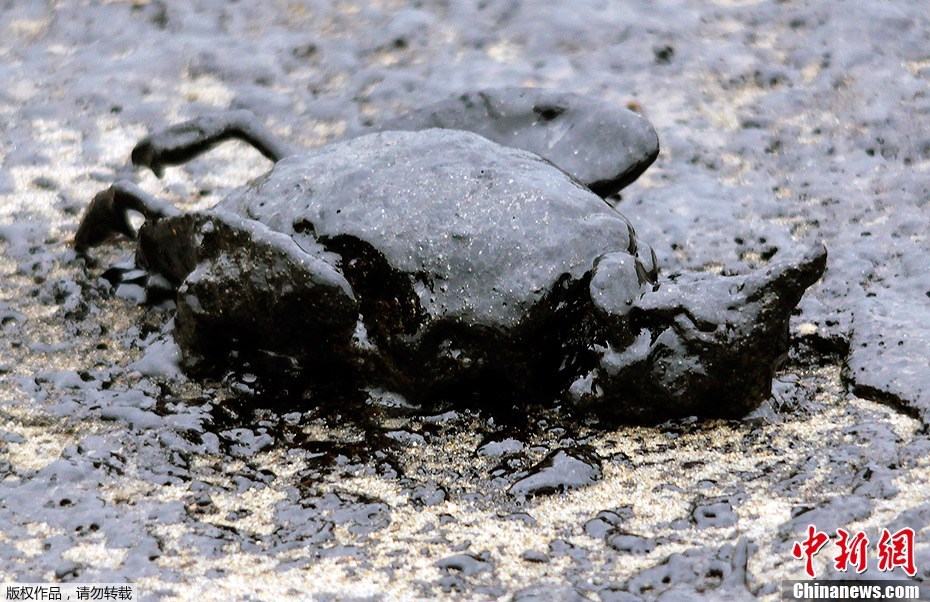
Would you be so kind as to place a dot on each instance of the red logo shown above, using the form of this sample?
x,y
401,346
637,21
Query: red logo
x,y
852,551
897,549
809,547
894,550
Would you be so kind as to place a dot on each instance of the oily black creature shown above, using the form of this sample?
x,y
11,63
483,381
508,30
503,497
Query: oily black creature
x,y
438,262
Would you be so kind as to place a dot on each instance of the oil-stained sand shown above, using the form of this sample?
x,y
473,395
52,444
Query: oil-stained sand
x,y
778,122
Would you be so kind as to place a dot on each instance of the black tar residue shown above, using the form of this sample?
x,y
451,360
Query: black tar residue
x,y
799,121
